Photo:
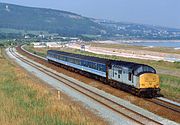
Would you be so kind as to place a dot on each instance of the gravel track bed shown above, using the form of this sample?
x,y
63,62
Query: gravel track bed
x,y
159,110
90,104
136,110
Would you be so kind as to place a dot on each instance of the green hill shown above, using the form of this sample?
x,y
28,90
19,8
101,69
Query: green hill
x,y
28,18
15,20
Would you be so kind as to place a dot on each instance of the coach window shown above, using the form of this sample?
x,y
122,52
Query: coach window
x,y
101,68
62,57
94,66
90,64
130,76
83,63
98,66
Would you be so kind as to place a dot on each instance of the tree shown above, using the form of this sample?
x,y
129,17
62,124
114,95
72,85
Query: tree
x,y
1,47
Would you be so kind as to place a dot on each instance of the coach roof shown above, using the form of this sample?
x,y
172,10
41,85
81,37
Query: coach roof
x,y
90,58
131,65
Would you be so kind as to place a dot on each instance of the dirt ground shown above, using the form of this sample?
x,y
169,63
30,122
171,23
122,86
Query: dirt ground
x,y
130,53
159,110
64,106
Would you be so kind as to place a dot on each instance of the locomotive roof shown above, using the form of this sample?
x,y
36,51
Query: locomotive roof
x,y
100,60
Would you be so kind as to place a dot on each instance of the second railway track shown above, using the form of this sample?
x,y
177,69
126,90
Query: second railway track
x,y
161,102
115,106
166,104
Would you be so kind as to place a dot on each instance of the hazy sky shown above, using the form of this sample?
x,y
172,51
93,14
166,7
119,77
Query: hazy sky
x,y
156,12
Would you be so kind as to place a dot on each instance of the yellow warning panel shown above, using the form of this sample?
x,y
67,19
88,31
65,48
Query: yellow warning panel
x,y
149,80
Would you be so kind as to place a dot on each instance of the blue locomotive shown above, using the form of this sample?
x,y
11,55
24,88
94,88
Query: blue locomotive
x,y
138,79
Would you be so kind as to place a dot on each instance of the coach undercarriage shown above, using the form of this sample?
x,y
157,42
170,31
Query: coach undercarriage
x,y
147,93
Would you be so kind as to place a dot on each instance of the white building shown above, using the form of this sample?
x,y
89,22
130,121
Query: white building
x,y
53,44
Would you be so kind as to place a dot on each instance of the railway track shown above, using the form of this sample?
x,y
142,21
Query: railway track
x,y
111,104
166,104
158,101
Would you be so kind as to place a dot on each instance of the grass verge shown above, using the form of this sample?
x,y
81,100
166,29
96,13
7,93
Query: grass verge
x,y
130,47
155,64
170,85
24,100
40,52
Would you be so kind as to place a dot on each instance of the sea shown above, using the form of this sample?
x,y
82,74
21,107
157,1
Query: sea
x,y
157,44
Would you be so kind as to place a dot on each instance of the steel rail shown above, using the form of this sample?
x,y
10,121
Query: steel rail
x,y
165,104
131,114
157,101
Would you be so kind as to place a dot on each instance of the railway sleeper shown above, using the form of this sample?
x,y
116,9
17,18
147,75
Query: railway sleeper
x,y
130,89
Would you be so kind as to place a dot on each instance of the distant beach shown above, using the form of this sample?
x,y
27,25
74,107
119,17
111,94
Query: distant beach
x,y
147,43
157,44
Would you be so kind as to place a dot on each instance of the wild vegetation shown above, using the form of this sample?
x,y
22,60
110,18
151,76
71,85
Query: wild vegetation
x,y
24,100
155,64
39,19
130,47
170,85
20,18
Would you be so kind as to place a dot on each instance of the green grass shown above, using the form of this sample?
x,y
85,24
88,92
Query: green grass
x,y
130,47
43,54
170,85
155,64
24,100
9,30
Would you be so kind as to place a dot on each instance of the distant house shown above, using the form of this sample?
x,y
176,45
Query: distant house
x,y
82,47
26,36
39,45
53,44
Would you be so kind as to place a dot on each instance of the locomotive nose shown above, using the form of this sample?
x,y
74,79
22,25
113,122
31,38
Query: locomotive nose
x,y
149,80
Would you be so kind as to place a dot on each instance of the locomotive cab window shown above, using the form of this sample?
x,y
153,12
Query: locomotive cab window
x,y
144,69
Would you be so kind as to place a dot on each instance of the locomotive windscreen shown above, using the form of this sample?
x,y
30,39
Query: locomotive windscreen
x,y
144,69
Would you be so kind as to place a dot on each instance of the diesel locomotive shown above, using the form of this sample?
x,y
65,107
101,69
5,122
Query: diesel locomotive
x,y
138,79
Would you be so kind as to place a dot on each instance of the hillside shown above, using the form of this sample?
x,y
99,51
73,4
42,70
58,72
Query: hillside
x,y
71,24
28,18
138,31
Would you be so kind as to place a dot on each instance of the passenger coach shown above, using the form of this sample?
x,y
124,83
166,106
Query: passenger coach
x,y
138,79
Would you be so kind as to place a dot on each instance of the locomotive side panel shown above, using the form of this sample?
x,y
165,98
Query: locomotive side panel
x,y
122,74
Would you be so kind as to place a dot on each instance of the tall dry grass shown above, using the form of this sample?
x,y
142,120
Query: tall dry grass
x,y
170,85
25,100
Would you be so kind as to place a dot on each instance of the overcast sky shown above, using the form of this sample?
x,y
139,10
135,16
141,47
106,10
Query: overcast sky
x,y
155,12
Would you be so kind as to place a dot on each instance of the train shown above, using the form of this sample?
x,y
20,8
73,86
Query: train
x,y
138,79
